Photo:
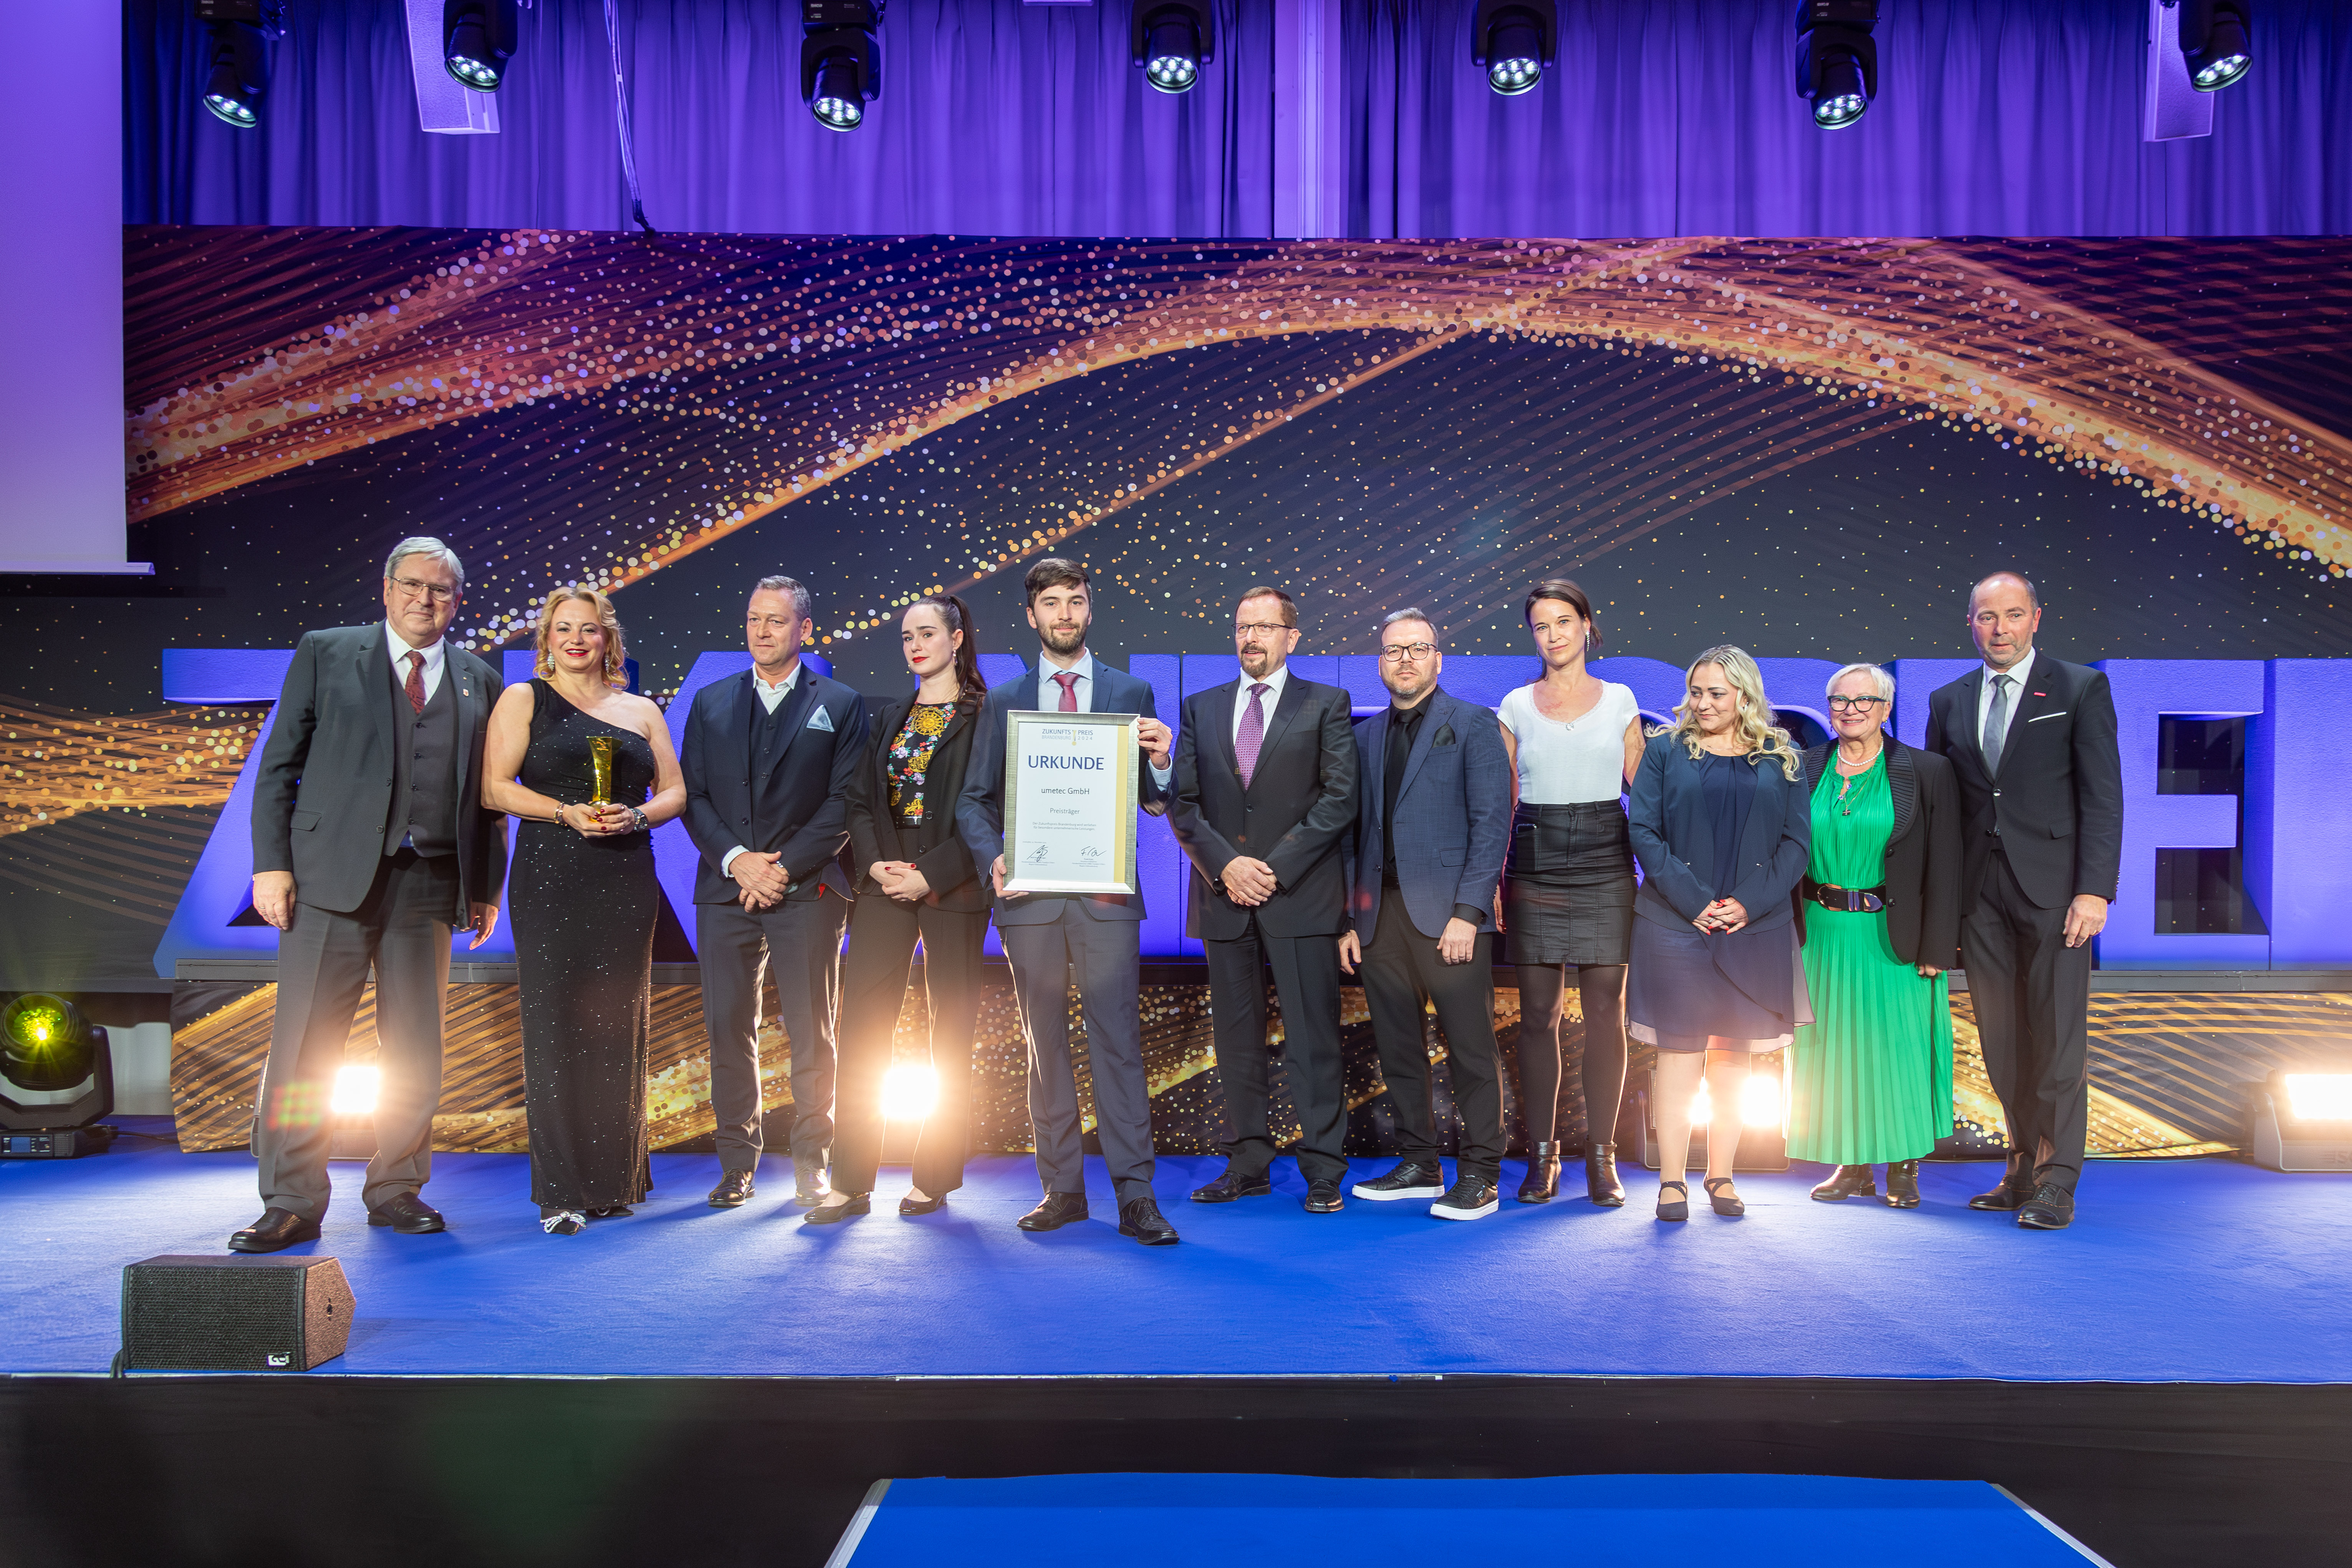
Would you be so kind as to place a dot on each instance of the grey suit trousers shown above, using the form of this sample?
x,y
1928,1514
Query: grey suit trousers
x,y
1102,956
801,939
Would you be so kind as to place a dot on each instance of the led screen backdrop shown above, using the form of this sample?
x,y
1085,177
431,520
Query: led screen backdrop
x,y
1810,448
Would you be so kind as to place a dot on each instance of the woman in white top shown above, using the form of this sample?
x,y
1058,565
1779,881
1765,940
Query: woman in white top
x,y
1568,888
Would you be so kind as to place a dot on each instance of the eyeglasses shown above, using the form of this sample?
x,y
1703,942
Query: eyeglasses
x,y
1258,628
415,587
1859,704
1398,652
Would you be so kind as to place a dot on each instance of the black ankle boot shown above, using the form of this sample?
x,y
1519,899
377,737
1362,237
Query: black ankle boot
x,y
1903,1184
1601,1182
1847,1182
1543,1175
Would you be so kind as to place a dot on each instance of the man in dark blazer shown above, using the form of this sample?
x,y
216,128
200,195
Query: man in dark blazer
x,y
1433,822
2032,743
1265,787
769,757
369,847
1053,939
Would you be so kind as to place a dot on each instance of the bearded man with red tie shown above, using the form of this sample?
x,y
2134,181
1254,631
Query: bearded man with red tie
x,y
1266,789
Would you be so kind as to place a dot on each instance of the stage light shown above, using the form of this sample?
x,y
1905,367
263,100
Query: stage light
x,y
46,1048
2302,1122
242,32
2213,43
1837,63
1703,1106
2318,1096
1513,40
355,1091
478,39
1760,1100
840,59
908,1092
1171,42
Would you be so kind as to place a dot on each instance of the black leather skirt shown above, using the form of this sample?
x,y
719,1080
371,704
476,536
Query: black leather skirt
x,y
1568,887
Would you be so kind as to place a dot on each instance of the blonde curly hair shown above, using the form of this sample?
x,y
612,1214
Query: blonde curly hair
x,y
617,658
1759,728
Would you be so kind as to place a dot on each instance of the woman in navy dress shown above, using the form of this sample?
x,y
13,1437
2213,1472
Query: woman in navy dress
x,y
1721,825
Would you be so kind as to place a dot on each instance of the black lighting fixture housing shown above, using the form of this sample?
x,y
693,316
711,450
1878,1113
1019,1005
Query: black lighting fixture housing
x,y
2213,42
46,1047
1837,62
1514,42
238,77
478,39
840,59
1171,40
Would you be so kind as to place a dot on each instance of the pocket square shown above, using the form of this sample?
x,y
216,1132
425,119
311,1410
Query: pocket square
x,y
1444,736
821,720
2037,717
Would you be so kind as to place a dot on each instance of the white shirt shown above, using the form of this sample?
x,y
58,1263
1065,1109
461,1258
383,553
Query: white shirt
x,y
2017,674
771,698
1274,683
435,660
1082,691
1569,764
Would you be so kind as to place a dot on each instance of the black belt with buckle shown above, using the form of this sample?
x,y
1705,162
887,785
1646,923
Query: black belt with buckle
x,y
1851,900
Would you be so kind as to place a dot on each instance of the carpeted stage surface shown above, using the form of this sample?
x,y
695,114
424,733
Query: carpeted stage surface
x,y
2191,1271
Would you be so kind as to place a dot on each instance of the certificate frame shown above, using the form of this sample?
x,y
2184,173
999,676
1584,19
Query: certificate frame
x,y
1103,827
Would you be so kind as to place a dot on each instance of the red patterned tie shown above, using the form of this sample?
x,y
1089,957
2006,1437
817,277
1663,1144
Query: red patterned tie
x,y
1069,683
1252,733
417,680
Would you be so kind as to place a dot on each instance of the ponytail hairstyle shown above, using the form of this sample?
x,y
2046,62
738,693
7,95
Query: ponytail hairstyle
x,y
971,690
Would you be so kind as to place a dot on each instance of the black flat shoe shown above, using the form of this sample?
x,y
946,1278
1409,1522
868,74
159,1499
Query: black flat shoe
x,y
1730,1207
1058,1210
612,1211
1323,1196
733,1189
834,1214
1141,1218
1233,1185
1542,1181
1677,1210
562,1222
1848,1182
1601,1182
408,1215
910,1203
1903,1184
2051,1208
1411,1179
276,1229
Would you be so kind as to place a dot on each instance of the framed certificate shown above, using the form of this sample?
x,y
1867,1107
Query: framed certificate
x,y
1069,803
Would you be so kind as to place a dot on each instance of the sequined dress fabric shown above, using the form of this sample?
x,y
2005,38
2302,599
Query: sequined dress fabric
x,y
584,921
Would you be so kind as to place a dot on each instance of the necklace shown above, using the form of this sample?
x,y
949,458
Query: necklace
x,y
1847,779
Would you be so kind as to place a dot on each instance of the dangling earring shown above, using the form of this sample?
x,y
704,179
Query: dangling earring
x,y
545,664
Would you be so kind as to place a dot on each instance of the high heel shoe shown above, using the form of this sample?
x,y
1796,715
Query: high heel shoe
x,y
1601,1182
1848,1182
1680,1210
834,1214
1731,1207
1542,1181
1903,1184
910,1203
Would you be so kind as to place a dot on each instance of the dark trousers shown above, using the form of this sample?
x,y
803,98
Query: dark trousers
x,y
1401,972
882,935
1103,958
1307,982
802,939
2032,994
401,930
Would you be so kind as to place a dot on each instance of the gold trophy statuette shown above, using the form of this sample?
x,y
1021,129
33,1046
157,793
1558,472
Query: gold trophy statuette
x,y
600,757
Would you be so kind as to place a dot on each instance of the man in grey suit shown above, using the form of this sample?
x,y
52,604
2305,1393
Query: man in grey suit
x,y
1051,937
1431,826
370,847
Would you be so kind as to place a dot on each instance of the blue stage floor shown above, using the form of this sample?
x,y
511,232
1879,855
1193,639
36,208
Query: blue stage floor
x,y
2180,1270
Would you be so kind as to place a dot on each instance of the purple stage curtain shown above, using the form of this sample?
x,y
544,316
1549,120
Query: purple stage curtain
x,y
2007,117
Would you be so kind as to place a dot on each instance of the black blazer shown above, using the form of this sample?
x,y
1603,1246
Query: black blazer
x,y
323,790
2056,811
1300,803
797,811
934,846
1674,841
1923,853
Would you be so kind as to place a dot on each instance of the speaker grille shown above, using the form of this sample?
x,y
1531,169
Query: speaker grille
x,y
221,1314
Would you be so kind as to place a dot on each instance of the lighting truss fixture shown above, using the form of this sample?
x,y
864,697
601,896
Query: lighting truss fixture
x,y
241,33
2213,42
1172,41
2302,1122
1837,63
840,59
47,1047
478,39
1514,41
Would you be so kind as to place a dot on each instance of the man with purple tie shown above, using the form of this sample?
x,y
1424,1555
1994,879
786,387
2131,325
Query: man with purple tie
x,y
1266,788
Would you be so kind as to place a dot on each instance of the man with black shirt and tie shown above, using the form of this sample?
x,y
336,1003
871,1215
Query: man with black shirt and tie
x,y
2033,743
1266,787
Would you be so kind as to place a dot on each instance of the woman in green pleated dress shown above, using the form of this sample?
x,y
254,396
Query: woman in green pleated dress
x,y
1871,1078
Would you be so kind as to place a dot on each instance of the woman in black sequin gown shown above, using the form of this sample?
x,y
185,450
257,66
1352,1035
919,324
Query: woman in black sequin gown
x,y
585,900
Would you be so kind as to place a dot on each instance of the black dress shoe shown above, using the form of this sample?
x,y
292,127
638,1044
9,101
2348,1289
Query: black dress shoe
x,y
2051,1208
1677,1208
1903,1184
734,1188
409,1216
834,1214
275,1229
612,1211
1058,1210
1233,1185
1847,1182
1542,1181
1323,1196
809,1185
1411,1179
1470,1197
910,1203
1601,1182
1141,1218
2015,1188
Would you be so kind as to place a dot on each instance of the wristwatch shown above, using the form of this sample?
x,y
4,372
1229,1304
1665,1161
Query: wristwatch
x,y
643,826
